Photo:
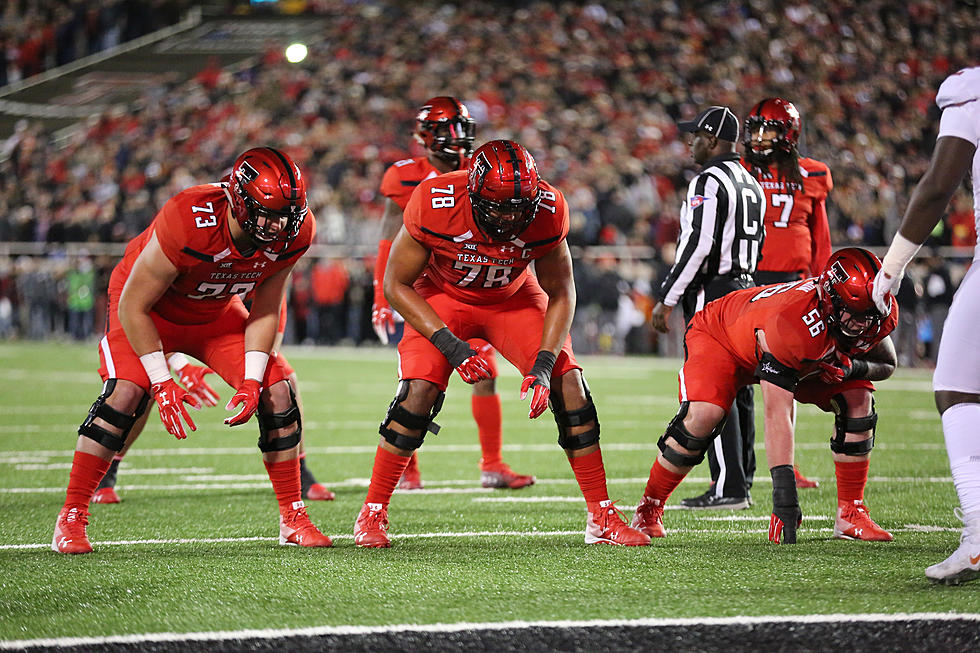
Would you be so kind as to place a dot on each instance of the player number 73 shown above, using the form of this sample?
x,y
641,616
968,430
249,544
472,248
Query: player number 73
x,y
218,290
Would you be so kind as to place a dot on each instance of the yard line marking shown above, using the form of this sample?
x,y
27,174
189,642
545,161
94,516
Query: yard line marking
x,y
458,486
20,456
912,528
126,469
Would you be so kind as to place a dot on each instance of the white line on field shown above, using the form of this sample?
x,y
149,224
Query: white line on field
x,y
177,450
911,528
459,486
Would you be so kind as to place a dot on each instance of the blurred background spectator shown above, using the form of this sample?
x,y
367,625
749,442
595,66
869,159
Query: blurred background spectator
x,y
593,90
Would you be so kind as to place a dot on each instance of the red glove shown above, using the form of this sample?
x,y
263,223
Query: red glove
x,y
192,378
170,399
248,395
783,524
539,400
539,378
382,317
475,368
837,370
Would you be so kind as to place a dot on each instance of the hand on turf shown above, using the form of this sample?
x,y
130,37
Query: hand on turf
x,y
192,378
783,523
247,395
837,370
170,399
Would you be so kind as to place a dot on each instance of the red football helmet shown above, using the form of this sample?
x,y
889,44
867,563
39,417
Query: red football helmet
x,y
504,189
444,127
844,289
772,113
268,197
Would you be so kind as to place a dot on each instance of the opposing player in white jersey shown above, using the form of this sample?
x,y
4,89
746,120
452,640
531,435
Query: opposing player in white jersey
x,y
956,382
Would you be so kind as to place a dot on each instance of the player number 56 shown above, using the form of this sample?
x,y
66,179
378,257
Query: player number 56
x,y
814,322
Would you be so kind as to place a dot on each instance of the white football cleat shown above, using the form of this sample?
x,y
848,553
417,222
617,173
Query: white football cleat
x,y
964,564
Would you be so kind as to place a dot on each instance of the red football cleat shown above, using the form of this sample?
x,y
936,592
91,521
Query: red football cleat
x,y
649,518
411,478
296,529
502,476
802,482
371,527
69,532
605,525
854,523
105,495
318,492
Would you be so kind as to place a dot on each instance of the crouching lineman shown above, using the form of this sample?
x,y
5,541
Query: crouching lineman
x,y
825,330
458,270
173,291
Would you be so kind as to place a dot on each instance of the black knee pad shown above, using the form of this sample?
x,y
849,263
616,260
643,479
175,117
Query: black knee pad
x,y
844,425
423,423
271,421
106,412
684,438
565,419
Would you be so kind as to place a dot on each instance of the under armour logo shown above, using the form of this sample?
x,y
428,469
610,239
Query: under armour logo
x,y
258,264
504,249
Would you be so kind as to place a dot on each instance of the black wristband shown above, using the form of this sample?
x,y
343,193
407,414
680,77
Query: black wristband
x,y
544,364
783,486
455,350
859,369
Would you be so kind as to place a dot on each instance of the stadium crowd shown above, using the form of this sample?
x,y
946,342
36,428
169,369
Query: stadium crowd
x,y
593,90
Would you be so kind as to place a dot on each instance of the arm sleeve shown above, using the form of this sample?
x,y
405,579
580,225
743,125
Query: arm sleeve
x,y
699,218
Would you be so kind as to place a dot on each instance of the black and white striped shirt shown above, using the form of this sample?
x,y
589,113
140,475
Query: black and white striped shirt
x,y
721,228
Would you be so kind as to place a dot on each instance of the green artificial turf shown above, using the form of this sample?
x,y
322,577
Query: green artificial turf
x,y
459,553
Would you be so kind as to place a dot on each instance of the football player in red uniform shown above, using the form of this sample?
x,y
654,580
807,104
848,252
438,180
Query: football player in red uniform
x,y
797,243
192,377
174,290
446,130
819,340
459,270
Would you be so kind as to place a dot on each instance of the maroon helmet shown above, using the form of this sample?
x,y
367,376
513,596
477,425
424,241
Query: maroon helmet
x,y
772,113
504,189
268,197
844,289
444,127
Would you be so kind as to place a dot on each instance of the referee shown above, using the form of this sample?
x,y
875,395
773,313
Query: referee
x,y
720,239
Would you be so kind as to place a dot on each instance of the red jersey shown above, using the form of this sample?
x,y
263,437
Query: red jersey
x,y
788,313
402,177
464,263
797,230
194,234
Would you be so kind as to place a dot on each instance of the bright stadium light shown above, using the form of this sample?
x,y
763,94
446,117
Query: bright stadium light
x,y
295,53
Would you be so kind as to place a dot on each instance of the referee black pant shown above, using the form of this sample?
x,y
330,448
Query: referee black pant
x,y
731,457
